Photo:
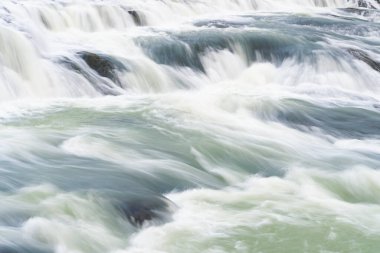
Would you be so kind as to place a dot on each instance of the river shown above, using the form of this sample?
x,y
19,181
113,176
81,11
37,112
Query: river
x,y
189,126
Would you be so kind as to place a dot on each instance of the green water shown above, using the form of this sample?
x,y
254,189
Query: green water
x,y
189,126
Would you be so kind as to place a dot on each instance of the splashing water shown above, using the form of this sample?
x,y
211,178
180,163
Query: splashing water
x,y
189,126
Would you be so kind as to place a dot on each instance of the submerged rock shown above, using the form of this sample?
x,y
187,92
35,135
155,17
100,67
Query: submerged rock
x,y
363,56
101,70
366,4
146,210
136,17
104,65
359,11
138,214
187,49
105,87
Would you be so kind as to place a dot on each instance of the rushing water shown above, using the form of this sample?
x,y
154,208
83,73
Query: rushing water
x,y
188,126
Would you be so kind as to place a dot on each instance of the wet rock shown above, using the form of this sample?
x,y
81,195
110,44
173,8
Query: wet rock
x,y
138,214
105,86
101,70
104,65
45,21
363,56
358,11
145,210
136,17
366,4
70,64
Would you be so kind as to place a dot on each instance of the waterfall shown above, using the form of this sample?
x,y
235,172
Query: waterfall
x,y
210,126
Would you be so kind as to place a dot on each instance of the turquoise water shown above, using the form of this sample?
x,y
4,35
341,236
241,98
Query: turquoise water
x,y
189,126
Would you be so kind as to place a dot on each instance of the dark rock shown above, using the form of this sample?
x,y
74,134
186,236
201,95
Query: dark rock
x,y
99,69
103,86
358,11
143,210
136,17
70,64
365,4
138,214
104,65
45,21
363,56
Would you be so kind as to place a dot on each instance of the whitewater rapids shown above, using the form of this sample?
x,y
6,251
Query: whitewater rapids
x,y
247,126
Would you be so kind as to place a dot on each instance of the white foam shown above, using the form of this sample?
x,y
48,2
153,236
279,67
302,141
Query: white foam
x,y
296,200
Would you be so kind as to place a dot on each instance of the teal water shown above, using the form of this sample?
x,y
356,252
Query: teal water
x,y
189,126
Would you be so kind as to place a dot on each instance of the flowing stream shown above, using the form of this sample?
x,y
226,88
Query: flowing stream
x,y
189,126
